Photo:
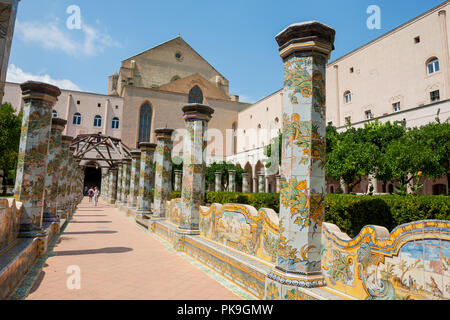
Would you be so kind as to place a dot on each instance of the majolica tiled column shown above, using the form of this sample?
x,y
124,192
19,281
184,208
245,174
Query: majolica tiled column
x,y
305,49
145,177
113,185
64,170
178,179
76,165
134,183
119,182
39,98
232,180
163,174
245,182
218,181
53,177
126,177
196,117
261,180
106,192
70,178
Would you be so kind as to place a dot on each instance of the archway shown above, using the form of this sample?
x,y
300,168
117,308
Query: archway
x,y
92,177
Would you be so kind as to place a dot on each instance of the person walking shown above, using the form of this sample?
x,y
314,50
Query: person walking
x,y
96,195
90,194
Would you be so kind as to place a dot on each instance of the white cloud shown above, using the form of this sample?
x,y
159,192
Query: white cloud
x,y
17,75
50,36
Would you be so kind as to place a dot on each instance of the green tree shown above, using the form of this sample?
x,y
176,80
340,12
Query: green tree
x,y
10,129
273,153
381,135
436,137
349,157
222,167
407,158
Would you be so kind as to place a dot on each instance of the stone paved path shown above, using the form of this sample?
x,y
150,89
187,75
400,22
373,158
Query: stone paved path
x,y
118,260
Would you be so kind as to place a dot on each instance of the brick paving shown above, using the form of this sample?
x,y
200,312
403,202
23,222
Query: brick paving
x,y
119,260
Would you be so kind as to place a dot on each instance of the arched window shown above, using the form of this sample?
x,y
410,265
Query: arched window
x,y
77,119
145,123
115,123
54,114
97,121
347,96
433,65
196,95
175,78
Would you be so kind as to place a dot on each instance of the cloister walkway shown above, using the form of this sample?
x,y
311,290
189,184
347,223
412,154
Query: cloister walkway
x,y
119,260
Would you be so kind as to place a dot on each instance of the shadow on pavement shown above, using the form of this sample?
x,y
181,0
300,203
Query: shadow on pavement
x,y
94,251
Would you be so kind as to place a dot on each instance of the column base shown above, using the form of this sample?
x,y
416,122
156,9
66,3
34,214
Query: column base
x,y
297,280
188,232
27,231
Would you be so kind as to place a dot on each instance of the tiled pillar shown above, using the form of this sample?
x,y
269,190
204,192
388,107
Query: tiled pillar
x,y
53,177
8,19
113,185
245,182
70,179
64,169
75,177
196,117
232,180
163,174
39,98
305,49
120,187
178,179
278,184
134,183
218,182
145,177
261,180
119,182
126,177
105,182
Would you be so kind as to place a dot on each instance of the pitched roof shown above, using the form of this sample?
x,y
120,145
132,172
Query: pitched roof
x,y
170,41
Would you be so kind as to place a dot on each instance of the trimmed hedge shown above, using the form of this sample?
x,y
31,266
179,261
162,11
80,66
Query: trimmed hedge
x,y
351,212
257,200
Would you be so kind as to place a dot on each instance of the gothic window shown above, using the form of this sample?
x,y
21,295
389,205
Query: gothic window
x,y
97,121
115,123
77,119
196,95
145,123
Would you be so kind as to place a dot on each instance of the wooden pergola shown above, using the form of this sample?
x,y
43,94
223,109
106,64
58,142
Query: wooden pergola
x,y
105,151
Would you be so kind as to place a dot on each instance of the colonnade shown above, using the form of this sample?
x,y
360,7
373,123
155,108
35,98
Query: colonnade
x,y
49,179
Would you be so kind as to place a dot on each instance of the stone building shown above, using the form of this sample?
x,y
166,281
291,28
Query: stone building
x,y
403,75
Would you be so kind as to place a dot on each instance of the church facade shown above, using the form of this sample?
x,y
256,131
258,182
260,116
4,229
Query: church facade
x,y
151,88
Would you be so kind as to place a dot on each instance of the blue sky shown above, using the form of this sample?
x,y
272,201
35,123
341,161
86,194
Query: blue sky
x,y
236,37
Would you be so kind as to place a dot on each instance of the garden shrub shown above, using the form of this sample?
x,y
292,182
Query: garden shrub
x,y
349,212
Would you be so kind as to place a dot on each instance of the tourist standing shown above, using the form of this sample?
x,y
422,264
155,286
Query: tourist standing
x,y
96,195
90,194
